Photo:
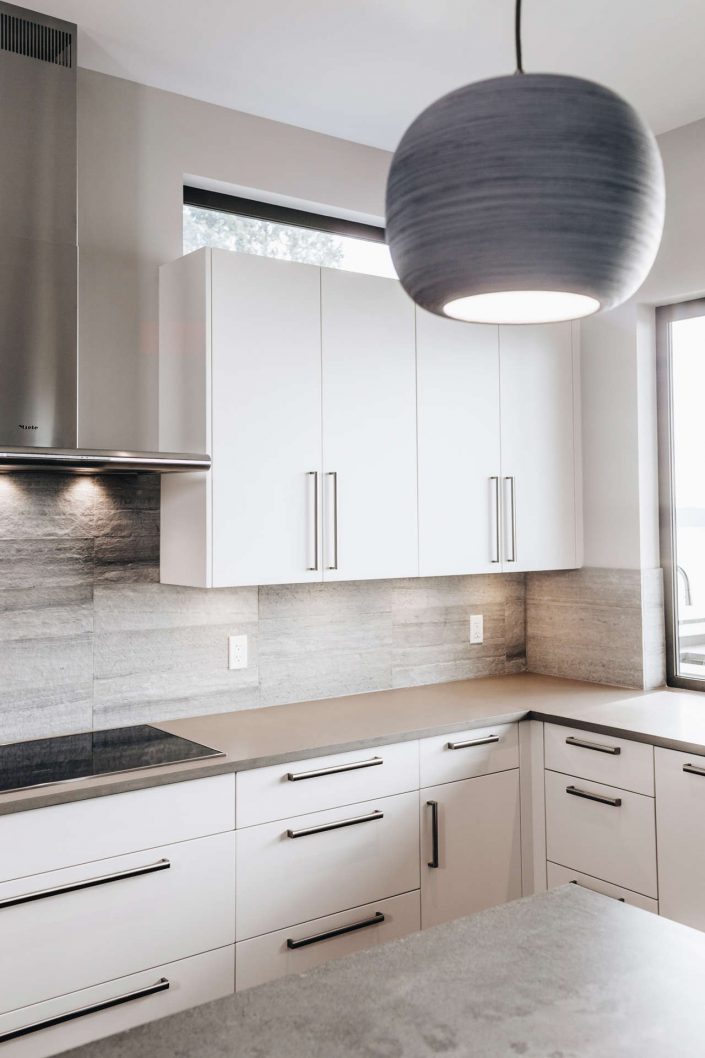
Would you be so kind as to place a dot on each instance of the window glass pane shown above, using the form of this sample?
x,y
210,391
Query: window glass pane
x,y
229,231
688,380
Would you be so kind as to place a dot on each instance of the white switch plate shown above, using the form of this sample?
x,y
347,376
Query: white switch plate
x,y
476,628
237,652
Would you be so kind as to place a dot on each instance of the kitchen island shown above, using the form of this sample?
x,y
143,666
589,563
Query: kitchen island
x,y
565,974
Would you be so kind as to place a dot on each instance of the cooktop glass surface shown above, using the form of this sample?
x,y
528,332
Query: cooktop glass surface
x,y
68,757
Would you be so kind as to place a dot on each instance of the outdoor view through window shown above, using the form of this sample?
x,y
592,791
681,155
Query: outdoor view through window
x,y
230,231
688,433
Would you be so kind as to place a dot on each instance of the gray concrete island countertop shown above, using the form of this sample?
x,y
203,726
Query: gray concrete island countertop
x,y
566,974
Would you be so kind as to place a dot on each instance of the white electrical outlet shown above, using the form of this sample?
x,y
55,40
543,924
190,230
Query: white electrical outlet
x,y
476,628
237,652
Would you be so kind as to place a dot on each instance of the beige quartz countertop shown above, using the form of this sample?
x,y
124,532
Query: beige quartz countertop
x,y
254,738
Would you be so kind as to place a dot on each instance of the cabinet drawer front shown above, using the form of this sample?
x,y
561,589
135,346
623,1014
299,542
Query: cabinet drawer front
x,y
587,832
283,790
478,848
558,875
115,917
49,838
191,982
264,958
601,758
333,861
476,751
680,819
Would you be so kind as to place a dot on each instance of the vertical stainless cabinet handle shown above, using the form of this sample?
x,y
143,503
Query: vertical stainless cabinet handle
x,y
333,474
512,556
434,861
497,533
162,985
314,474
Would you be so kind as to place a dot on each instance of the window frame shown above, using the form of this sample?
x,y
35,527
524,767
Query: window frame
x,y
665,316
220,202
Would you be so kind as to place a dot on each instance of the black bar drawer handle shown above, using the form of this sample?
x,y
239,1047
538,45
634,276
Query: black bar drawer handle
x,y
297,776
692,770
88,883
597,746
434,861
335,826
473,742
574,881
615,802
139,993
376,920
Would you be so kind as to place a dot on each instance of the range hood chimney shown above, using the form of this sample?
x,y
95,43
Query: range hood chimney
x,y
39,256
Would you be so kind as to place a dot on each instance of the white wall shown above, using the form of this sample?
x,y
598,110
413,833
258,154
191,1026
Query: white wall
x,y
619,401
679,271
136,146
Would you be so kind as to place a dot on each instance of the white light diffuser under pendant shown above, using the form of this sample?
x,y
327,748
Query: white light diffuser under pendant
x,y
524,199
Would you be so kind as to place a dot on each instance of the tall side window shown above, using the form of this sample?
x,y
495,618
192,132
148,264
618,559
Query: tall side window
x,y
247,226
681,397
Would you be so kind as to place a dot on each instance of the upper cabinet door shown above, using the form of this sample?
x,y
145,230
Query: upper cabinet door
x,y
369,428
459,450
266,403
538,378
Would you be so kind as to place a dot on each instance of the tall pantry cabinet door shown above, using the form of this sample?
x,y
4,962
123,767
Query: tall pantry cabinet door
x,y
266,420
369,428
538,377
459,451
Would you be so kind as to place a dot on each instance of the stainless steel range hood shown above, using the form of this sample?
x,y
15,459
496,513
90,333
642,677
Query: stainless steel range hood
x,y
39,257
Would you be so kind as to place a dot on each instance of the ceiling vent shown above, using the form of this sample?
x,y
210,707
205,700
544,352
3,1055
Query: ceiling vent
x,y
36,41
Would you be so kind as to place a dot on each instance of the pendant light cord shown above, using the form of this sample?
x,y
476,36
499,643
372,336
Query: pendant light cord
x,y
517,36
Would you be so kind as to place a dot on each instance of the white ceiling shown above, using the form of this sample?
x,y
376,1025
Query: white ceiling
x,y
362,69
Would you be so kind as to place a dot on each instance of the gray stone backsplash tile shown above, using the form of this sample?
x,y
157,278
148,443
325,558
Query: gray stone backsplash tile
x,y
46,686
601,625
89,637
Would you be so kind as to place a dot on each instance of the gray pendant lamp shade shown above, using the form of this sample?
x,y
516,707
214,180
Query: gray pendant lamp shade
x,y
525,198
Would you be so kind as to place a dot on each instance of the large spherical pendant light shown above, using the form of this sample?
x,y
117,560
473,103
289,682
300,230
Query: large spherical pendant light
x,y
526,198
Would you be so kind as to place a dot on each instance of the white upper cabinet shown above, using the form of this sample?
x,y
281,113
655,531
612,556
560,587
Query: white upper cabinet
x,y
499,482
256,520
459,446
369,428
354,436
538,385
266,419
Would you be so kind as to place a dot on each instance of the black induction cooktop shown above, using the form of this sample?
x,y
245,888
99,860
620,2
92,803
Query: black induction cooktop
x,y
69,757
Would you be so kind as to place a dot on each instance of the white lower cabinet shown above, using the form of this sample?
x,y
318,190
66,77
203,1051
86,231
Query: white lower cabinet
x,y
680,814
115,917
302,786
75,1018
304,946
471,848
101,926
297,870
558,875
602,831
